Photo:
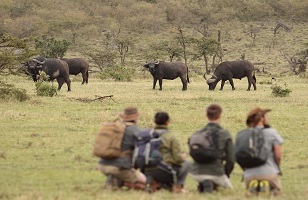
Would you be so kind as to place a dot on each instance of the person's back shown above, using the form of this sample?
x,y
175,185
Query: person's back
x,y
266,175
121,168
172,171
216,173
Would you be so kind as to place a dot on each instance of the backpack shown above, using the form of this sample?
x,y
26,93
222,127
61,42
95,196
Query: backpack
x,y
147,149
203,146
108,140
250,150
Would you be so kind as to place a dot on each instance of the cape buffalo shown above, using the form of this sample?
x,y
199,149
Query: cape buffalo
x,y
54,68
78,65
168,70
233,69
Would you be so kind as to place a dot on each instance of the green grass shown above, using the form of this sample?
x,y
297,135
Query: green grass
x,y
46,142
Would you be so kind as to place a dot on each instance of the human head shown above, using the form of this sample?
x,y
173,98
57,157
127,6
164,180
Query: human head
x,y
161,118
130,114
256,116
213,112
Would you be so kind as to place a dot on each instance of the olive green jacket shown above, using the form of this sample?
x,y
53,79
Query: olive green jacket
x,y
220,166
170,147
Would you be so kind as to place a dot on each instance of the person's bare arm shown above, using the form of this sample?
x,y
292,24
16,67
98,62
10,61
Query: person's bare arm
x,y
277,154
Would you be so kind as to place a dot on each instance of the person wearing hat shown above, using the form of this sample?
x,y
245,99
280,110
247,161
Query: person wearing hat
x,y
120,169
269,171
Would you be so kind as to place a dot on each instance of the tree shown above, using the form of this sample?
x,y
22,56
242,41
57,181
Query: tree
x,y
50,47
206,47
12,51
183,42
164,48
103,58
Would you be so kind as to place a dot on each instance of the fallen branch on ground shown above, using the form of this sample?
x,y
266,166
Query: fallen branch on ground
x,y
99,98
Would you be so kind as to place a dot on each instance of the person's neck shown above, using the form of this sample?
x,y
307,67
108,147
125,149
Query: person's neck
x,y
214,121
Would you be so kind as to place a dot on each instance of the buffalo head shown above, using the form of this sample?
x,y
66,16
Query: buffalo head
x,y
151,66
34,66
212,82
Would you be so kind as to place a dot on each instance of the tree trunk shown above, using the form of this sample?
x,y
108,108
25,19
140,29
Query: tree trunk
x,y
207,71
182,42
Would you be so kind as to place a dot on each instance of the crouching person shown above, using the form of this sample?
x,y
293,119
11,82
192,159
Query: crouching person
x,y
258,152
114,145
212,151
159,155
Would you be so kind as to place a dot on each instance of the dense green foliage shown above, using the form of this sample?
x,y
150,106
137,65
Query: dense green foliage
x,y
50,47
43,87
279,91
12,51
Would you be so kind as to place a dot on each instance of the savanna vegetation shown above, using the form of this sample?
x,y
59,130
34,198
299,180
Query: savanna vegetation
x,y
46,142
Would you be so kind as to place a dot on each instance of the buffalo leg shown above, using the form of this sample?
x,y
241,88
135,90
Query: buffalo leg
x,y
254,81
231,83
154,83
68,83
87,76
222,84
60,81
250,80
160,83
84,78
184,82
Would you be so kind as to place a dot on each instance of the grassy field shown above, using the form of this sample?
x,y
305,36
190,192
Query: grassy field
x,y
46,143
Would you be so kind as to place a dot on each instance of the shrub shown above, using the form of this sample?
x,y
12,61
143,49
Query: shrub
x,y
43,88
9,92
118,73
279,91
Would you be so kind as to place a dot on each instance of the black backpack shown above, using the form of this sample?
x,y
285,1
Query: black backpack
x,y
203,146
147,149
250,150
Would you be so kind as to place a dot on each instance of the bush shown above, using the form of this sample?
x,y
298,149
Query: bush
x,y
43,88
279,91
9,92
118,73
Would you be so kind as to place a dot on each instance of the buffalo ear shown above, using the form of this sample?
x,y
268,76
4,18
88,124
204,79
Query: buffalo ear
x,y
146,65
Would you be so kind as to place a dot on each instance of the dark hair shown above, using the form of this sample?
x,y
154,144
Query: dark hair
x,y
161,118
213,111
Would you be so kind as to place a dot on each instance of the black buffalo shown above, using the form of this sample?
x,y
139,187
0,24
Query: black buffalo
x,y
233,69
168,70
54,68
78,65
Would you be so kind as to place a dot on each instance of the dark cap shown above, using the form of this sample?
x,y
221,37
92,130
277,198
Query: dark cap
x,y
255,115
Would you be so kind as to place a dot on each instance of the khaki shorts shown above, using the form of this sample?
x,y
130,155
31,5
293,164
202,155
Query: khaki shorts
x,y
272,179
222,181
127,175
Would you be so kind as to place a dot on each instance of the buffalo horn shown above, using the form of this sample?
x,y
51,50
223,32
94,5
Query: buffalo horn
x,y
204,77
157,63
39,62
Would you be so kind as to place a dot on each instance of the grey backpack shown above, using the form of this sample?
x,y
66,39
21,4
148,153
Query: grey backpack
x,y
250,148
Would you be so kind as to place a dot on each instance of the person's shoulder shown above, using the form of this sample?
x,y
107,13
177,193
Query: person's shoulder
x,y
133,129
273,133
